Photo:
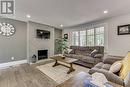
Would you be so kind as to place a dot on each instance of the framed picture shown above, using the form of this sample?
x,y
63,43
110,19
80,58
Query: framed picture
x,y
124,29
66,36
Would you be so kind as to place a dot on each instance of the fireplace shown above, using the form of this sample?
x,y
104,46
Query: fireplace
x,y
42,54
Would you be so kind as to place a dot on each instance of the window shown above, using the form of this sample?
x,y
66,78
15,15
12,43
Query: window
x,y
83,38
79,38
75,38
99,36
95,36
90,37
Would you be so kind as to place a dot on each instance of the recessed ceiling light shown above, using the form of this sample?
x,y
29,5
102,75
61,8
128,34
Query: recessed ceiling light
x,y
61,25
28,16
105,12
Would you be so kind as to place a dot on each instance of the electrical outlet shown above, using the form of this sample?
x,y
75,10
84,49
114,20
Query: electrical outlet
x,y
12,58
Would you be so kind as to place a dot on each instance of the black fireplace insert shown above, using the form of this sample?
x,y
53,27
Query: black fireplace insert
x,y
42,54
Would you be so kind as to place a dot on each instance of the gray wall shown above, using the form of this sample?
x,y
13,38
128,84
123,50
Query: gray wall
x,y
14,46
35,44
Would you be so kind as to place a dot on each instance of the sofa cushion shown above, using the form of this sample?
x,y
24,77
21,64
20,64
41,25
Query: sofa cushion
x,y
87,59
73,56
101,65
110,76
106,66
125,67
80,52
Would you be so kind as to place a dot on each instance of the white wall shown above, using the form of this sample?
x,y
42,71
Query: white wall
x,y
35,44
114,44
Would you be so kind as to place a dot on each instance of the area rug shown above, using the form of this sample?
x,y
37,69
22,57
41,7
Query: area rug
x,y
59,73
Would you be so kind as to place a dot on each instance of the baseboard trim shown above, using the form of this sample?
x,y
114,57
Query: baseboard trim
x,y
8,64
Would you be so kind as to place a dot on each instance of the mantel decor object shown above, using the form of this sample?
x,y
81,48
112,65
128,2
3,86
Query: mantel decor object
x,y
34,58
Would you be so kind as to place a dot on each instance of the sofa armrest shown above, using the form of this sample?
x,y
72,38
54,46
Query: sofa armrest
x,y
98,56
110,76
109,59
127,80
66,55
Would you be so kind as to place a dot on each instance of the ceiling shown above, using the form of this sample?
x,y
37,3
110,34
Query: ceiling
x,y
69,12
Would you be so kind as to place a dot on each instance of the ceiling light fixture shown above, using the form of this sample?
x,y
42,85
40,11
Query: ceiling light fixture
x,y
61,25
28,16
105,12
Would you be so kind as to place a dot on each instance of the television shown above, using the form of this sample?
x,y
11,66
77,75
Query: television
x,y
43,34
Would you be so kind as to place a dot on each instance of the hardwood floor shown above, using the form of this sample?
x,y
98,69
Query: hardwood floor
x,y
24,76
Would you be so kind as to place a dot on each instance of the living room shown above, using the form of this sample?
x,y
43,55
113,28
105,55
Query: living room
x,y
63,43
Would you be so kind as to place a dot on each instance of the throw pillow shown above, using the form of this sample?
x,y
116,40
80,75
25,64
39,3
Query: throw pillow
x,y
125,66
116,67
94,52
69,50
72,52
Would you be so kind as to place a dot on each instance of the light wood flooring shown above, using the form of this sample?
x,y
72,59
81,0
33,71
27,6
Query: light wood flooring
x,y
24,76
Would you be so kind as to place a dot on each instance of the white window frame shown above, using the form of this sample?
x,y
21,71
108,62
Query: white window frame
x,y
99,34
95,35
78,38
89,35
88,28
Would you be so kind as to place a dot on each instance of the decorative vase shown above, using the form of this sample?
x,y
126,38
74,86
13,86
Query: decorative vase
x,y
34,59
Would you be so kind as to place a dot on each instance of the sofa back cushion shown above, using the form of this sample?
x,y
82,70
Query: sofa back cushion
x,y
86,50
79,50
109,59
125,66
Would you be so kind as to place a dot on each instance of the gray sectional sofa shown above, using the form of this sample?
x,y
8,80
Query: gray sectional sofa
x,y
104,66
98,63
83,54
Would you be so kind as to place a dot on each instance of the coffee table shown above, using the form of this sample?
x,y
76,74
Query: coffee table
x,y
77,81
65,60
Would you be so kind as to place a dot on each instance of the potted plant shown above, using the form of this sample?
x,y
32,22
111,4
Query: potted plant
x,y
61,45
